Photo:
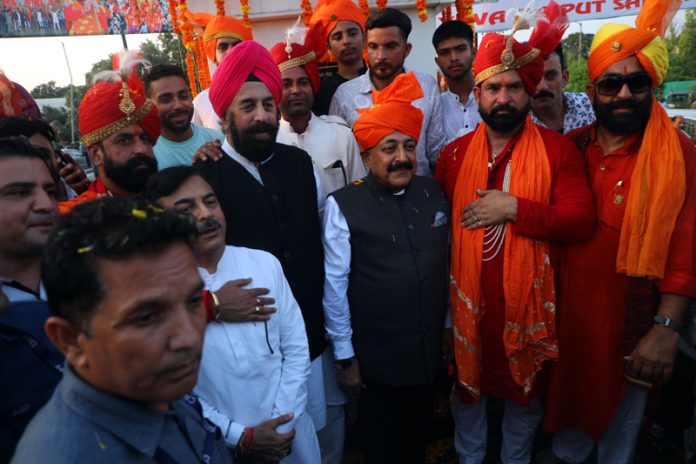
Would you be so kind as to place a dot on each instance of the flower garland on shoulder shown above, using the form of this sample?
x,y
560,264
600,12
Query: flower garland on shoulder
x,y
422,10
306,12
245,8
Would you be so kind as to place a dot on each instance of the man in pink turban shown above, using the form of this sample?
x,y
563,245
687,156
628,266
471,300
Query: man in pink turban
x,y
271,195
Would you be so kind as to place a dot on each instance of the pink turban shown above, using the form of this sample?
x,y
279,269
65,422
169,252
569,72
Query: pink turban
x,y
245,59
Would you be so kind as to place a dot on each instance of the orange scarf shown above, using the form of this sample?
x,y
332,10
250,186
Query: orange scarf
x,y
658,189
530,328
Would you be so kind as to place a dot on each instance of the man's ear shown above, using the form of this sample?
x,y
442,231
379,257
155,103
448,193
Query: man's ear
x,y
477,93
408,48
365,155
590,91
66,337
96,155
565,75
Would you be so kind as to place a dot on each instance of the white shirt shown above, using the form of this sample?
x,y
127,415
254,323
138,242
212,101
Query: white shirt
x,y
458,118
331,145
254,171
241,383
203,112
357,93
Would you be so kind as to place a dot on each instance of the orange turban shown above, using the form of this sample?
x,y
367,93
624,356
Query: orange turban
x,y
245,59
223,26
329,12
108,107
299,55
391,111
498,54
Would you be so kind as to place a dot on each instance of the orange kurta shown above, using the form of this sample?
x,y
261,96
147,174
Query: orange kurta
x,y
587,384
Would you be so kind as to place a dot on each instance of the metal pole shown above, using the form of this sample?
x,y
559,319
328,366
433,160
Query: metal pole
x,y
72,97
580,42
125,43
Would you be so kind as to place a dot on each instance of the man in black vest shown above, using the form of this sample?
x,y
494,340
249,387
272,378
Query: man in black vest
x,y
269,192
386,242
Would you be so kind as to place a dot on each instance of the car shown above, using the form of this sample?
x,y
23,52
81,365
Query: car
x,y
81,161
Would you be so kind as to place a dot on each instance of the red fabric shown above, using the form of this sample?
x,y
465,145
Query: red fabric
x,y
247,58
16,101
549,29
587,384
491,50
280,56
570,216
100,107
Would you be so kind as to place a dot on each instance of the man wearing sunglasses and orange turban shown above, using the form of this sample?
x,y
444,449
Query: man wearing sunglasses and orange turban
x,y
517,190
624,293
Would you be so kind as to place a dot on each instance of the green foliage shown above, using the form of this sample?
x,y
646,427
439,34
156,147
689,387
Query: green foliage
x,y
682,50
167,50
59,118
579,78
48,90
577,45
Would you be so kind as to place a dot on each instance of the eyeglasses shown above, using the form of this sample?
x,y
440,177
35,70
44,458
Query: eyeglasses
x,y
611,85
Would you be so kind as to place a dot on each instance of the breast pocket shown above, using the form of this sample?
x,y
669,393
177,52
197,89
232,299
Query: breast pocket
x,y
612,208
335,176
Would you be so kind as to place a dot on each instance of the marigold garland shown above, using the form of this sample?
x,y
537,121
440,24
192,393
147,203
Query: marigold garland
x,y
191,71
365,8
220,7
202,65
306,11
422,10
245,8
381,4
173,17
446,14
465,11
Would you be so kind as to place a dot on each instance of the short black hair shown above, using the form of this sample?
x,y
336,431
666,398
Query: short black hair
x,y
389,17
167,181
13,125
106,228
20,147
559,51
451,30
159,71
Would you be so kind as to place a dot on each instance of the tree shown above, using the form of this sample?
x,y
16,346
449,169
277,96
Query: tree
x,y
167,50
578,75
577,45
682,50
48,90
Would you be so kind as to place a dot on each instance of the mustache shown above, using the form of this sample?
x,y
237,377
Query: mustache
x,y
400,166
139,160
39,219
260,127
209,225
500,108
543,94
630,103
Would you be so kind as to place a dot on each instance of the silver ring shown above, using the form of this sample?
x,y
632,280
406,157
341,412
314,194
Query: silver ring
x,y
257,309
258,301
480,224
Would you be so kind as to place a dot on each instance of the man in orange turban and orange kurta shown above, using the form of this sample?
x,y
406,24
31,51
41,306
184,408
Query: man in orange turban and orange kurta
x,y
385,252
517,189
119,125
624,293
221,34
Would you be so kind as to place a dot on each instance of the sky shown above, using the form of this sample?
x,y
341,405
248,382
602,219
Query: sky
x,y
37,60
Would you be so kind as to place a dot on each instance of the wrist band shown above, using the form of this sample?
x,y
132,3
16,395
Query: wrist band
x,y
667,322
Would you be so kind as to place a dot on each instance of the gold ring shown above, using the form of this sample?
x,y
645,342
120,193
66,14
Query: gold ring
x,y
257,309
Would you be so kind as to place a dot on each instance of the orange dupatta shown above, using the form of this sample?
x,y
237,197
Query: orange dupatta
x,y
530,328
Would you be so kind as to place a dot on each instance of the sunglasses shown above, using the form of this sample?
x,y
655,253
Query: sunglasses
x,y
611,85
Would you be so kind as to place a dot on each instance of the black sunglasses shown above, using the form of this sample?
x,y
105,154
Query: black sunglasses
x,y
611,85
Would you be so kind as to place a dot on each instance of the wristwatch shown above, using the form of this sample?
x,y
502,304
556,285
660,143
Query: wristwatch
x,y
343,364
667,322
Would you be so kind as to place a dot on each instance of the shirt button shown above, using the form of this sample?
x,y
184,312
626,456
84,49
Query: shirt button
x,y
411,227
602,167
275,196
281,225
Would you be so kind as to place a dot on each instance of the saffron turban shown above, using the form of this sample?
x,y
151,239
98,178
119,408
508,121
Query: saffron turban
x,y
391,111
498,54
245,59
223,26
108,107
329,12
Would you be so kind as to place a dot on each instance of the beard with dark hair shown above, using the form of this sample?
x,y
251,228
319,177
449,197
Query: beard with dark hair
x,y
626,123
505,122
247,145
131,175
178,128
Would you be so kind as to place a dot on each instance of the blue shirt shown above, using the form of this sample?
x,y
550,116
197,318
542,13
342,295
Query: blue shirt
x,y
81,424
170,153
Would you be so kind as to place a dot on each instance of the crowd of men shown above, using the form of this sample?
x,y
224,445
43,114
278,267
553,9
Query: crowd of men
x,y
245,265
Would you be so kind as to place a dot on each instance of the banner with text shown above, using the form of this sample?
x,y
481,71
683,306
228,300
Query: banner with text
x,y
497,15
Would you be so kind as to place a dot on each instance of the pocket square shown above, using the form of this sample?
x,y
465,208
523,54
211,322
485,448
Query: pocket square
x,y
440,219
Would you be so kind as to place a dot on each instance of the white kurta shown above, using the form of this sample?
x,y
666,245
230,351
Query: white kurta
x,y
247,377
203,112
331,145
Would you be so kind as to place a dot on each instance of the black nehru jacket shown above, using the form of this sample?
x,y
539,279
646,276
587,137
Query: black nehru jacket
x,y
398,285
281,217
